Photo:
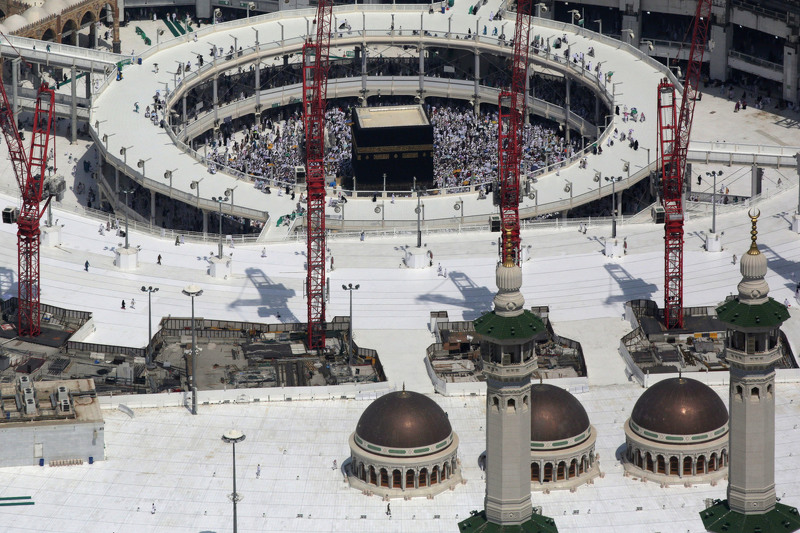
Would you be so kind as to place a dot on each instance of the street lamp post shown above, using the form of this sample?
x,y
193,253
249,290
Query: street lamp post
x,y
229,192
141,163
232,436
149,355
124,153
168,175
613,181
600,23
126,192
713,203
350,287
418,210
220,201
195,184
192,291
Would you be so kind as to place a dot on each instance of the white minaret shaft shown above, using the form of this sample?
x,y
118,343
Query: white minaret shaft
x,y
752,350
509,360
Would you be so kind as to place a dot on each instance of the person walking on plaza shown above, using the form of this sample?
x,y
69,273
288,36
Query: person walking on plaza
x,y
159,259
123,304
86,266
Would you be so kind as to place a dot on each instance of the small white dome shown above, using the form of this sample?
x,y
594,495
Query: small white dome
x,y
14,22
34,14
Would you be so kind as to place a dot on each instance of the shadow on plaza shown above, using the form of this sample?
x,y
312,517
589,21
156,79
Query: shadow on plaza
x,y
273,297
789,270
8,283
632,288
475,300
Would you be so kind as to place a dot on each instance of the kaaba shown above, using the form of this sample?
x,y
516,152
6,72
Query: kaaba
x,y
396,141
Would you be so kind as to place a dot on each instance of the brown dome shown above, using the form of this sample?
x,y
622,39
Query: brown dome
x,y
403,419
555,414
680,406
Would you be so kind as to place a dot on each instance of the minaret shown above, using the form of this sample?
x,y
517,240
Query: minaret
x,y
508,337
752,349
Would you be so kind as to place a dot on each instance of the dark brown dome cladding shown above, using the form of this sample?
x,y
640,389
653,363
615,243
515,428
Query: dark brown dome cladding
x,y
680,406
555,414
403,420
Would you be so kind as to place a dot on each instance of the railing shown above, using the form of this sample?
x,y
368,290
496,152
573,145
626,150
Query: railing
x,y
59,54
170,192
753,60
743,154
291,93
755,8
388,85
606,40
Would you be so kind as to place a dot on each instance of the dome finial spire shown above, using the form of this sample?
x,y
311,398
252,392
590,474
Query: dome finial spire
x,y
754,214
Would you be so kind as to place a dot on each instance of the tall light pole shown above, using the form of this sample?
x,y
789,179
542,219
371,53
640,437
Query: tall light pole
x,y
613,180
220,200
600,23
232,436
713,203
192,291
351,288
149,355
418,210
126,192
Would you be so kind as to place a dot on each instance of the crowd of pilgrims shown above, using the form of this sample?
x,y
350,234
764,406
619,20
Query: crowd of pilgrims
x,y
465,146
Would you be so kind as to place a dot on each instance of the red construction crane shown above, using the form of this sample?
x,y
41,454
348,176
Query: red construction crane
x,y
512,111
673,140
30,173
315,86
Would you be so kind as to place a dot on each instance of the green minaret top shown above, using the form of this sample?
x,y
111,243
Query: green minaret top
x,y
753,307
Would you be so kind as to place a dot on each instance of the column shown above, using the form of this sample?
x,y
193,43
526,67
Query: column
x,y
216,102
152,207
14,87
183,110
790,69
364,73
116,189
568,84
73,107
718,56
596,110
116,44
258,91
205,222
88,84
632,20
526,115
477,76
421,74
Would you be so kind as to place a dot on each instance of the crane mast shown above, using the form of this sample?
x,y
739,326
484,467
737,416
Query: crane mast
x,y
509,136
674,129
30,173
315,84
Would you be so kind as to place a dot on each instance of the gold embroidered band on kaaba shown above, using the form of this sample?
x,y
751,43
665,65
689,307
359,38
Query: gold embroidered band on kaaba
x,y
395,148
